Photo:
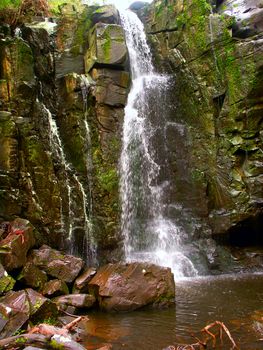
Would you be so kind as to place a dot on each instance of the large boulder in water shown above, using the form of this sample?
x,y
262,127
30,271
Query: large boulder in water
x,y
127,287
57,264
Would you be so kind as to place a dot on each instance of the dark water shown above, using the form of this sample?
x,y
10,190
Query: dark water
x,y
236,300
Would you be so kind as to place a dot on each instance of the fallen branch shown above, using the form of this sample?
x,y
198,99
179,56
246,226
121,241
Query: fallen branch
x,y
73,323
221,329
202,344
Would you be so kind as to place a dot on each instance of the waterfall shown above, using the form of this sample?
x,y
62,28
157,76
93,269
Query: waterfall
x,y
75,192
149,233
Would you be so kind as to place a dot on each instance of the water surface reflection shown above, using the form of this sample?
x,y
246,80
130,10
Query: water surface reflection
x,y
236,300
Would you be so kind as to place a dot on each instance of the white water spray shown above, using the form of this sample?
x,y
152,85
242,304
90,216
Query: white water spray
x,y
57,149
150,235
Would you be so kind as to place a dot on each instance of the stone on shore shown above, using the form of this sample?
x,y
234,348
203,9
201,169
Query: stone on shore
x,y
16,308
57,264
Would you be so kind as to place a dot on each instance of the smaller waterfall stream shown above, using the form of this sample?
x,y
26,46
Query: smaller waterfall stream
x,y
75,192
150,234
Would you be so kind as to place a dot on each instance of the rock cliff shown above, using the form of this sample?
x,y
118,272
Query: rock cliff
x,y
63,87
213,52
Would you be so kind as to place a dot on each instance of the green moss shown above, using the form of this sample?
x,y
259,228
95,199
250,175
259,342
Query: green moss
x,y
20,340
9,4
34,149
82,30
55,345
6,284
197,175
7,128
108,180
107,45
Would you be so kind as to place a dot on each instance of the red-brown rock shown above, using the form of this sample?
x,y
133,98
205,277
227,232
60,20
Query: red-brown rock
x,y
79,301
55,288
16,308
57,264
81,283
14,248
127,287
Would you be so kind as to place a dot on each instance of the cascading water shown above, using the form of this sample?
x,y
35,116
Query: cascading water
x,y
150,234
75,191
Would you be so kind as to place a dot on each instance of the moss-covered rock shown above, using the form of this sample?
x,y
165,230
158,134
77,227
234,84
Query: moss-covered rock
x,y
6,282
217,95
107,46
16,308
32,276
57,264
55,288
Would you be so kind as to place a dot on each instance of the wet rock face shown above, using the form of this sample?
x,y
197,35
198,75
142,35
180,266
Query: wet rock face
x,y
6,281
16,308
214,51
107,46
56,264
127,287
14,248
248,16
43,80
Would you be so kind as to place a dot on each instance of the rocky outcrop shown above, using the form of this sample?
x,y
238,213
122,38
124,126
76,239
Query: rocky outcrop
x,y
127,287
213,49
60,128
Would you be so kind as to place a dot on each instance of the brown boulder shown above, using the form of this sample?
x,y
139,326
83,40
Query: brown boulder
x,y
55,288
81,283
14,248
127,287
32,276
79,301
16,308
57,264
